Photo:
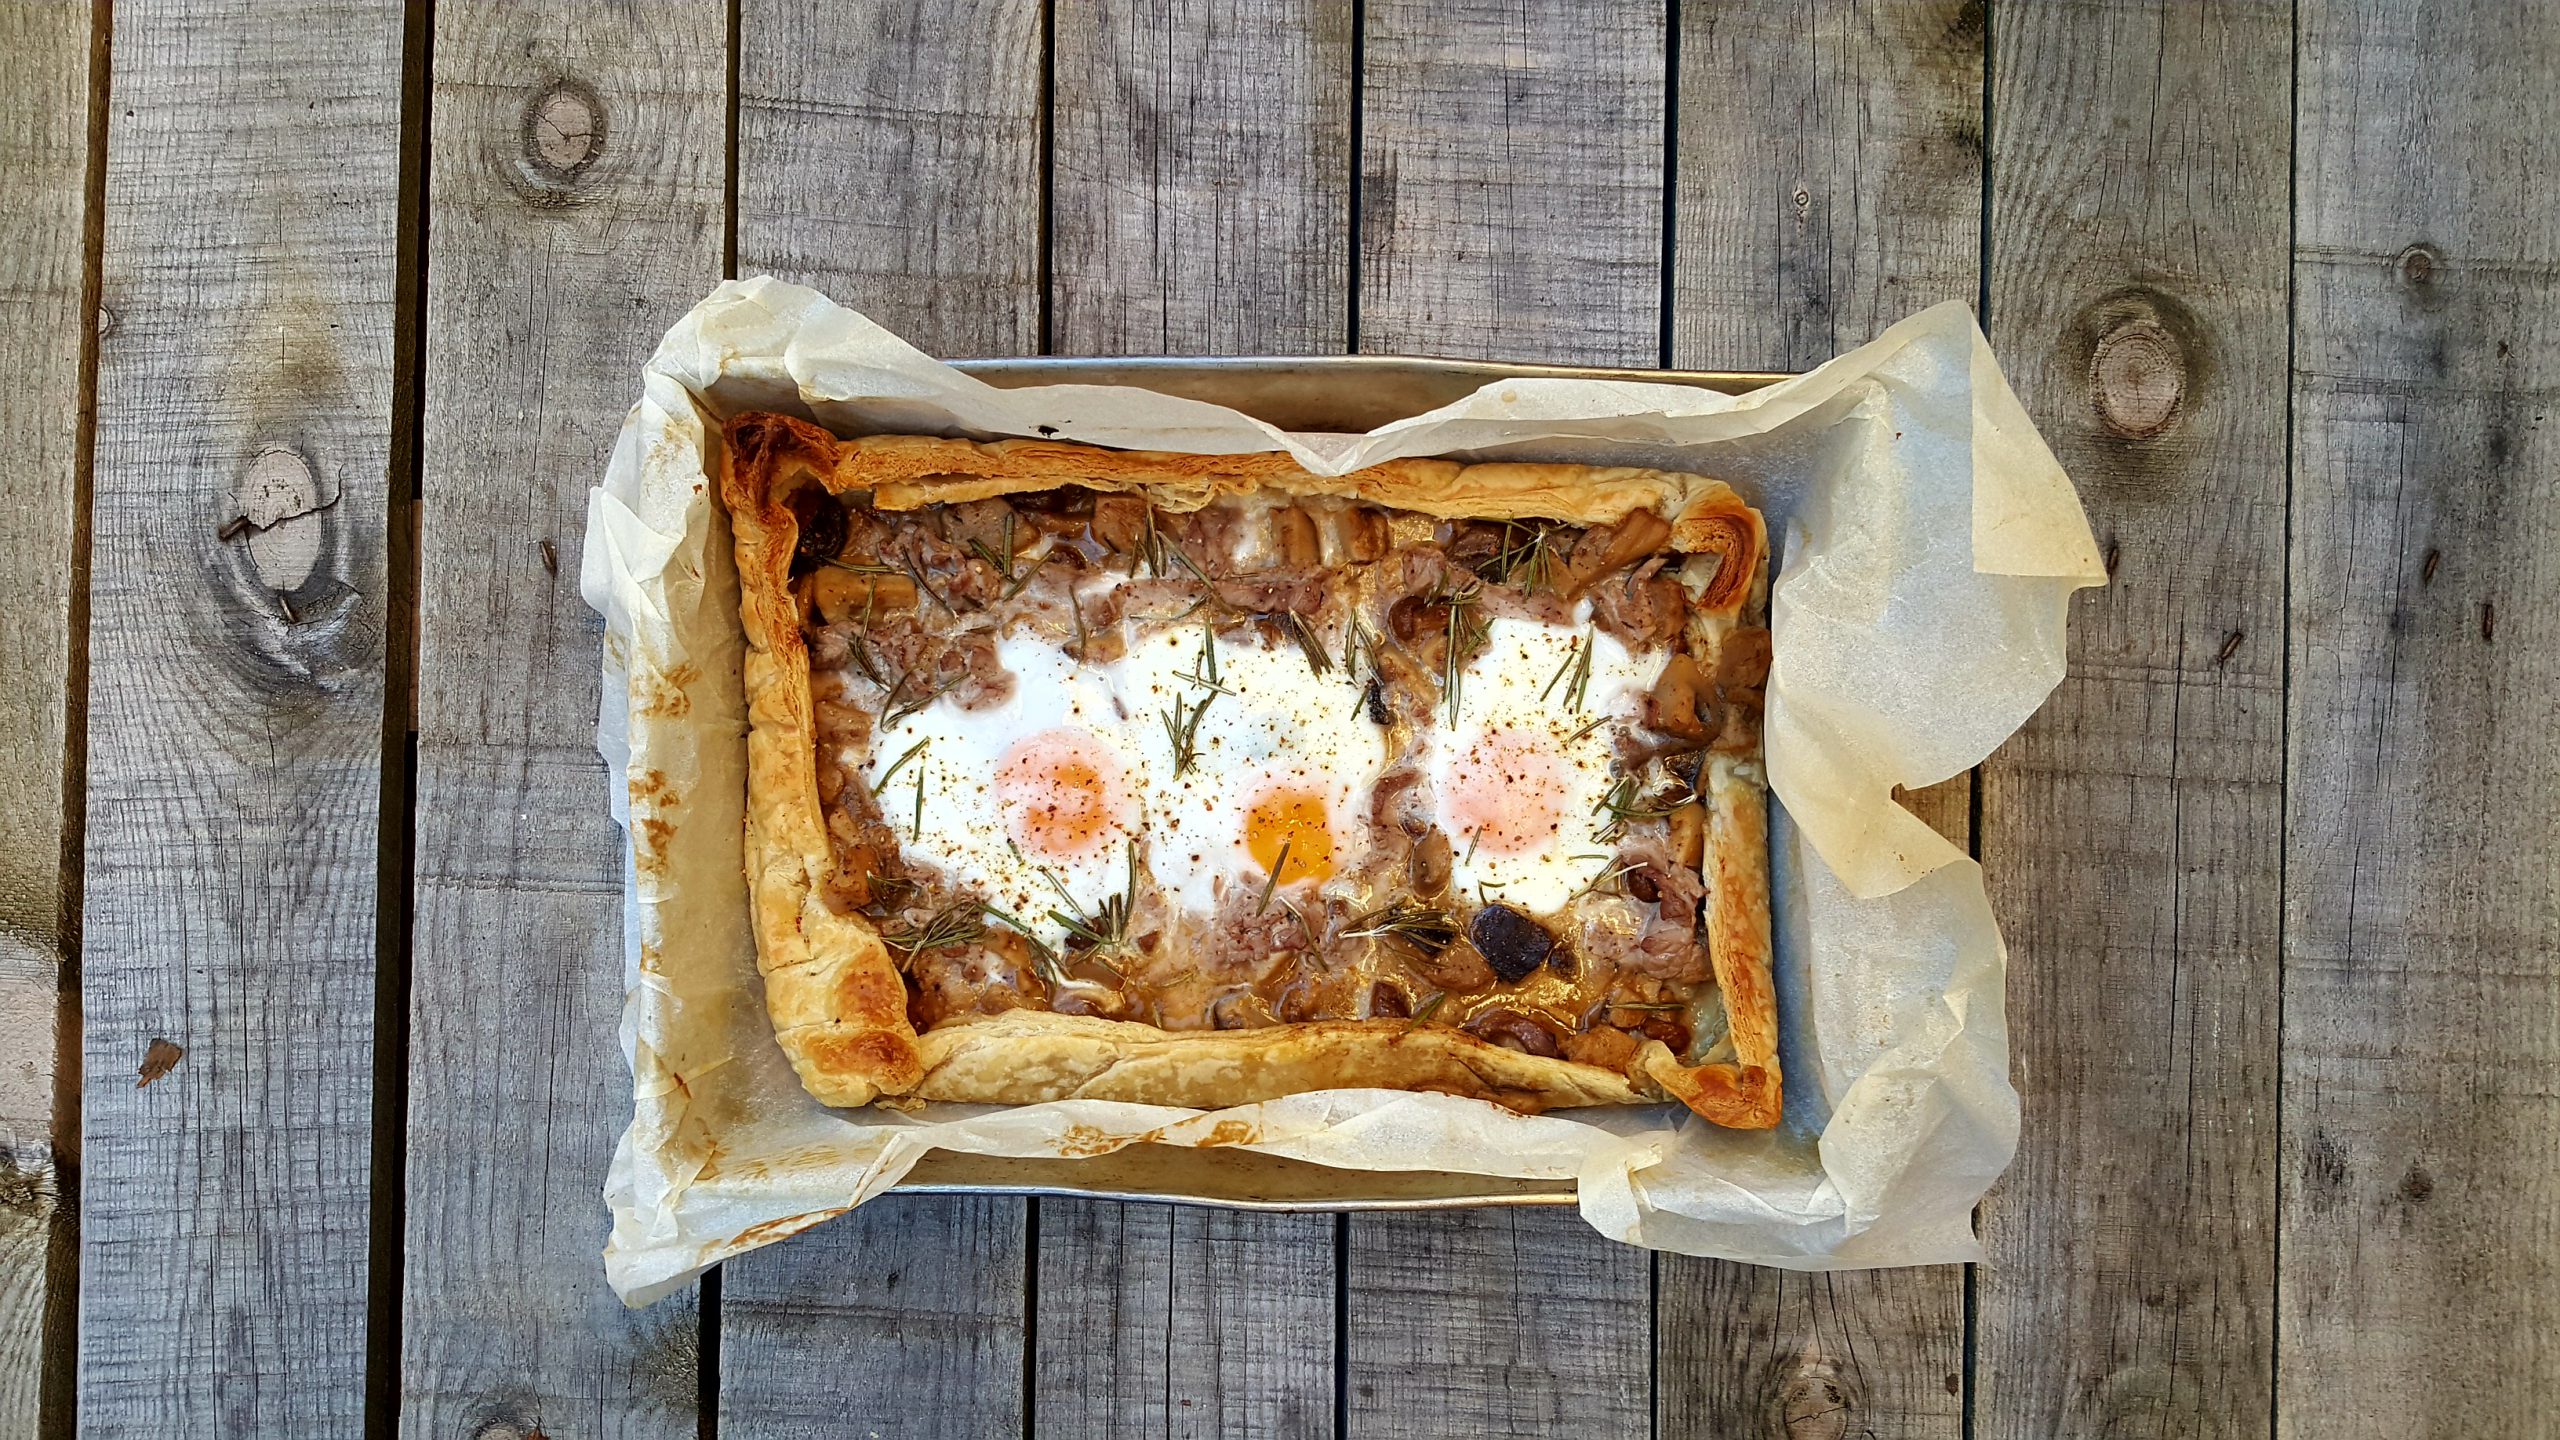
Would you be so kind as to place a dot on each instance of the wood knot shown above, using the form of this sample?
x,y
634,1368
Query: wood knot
x,y
2138,379
1813,1405
2416,266
563,134
2147,362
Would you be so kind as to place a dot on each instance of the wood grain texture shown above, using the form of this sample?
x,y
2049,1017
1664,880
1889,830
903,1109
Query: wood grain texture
x,y
1829,175
235,721
1829,182
2421,1165
44,205
1203,157
1163,1320
2139,248
906,1321
1511,180
1201,195
575,202
889,154
1511,206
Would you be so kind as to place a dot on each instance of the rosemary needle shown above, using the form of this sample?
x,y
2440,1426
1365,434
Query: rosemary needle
x,y
900,763
1429,1008
1273,879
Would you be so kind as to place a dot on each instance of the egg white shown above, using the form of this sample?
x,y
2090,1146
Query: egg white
x,y
964,831
1512,685
1273,723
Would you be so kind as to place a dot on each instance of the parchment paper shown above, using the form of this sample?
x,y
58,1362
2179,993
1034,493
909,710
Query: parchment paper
x,y
1929,544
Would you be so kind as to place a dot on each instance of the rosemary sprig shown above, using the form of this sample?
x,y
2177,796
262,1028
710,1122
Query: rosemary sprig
x,y
864,567
914,569
1305,634
1272,880
1577,664
1314,941
1356,641
1621,803
1475,837
900,763
1670,1006
1204,671
1106,928
1182,729
1466,631
1423,1013
1001,564
1594,723
895,711
1075,607
1043,953
1416,925
916,832
1599,883
955,924
1528,557
859,646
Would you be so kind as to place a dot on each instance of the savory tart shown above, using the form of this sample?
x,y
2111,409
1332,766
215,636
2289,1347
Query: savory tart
x,y
1202,779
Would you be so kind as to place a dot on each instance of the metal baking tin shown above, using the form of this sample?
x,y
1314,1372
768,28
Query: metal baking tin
x,y
1343,394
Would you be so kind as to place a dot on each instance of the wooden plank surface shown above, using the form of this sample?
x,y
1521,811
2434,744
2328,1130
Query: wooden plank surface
x,y
1203,155
2139,242
1511,180
1829,182
2421,1165
575,202
1510,206
44,321
1201,191
889,154
235,724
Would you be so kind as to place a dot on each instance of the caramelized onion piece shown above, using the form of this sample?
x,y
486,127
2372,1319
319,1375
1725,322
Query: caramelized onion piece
x,y
1118,521
1689,835
1514,1031
1603,1045
1293,533
1428,866
1365,534
1607,549
845,597
1386,1002
1674,704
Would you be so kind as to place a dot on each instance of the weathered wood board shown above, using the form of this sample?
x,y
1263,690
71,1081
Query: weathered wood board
x,y
574,201
44,324
2421,1161
2133,832
236,722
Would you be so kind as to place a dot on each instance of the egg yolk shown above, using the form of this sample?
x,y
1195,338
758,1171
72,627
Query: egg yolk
x,y
1505,796
1061,792
1294,821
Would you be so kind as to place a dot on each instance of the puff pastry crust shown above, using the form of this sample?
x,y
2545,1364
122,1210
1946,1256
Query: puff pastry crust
x,y
838,1003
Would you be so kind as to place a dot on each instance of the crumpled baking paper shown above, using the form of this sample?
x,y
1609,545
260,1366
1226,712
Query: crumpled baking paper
x,y
1929,544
